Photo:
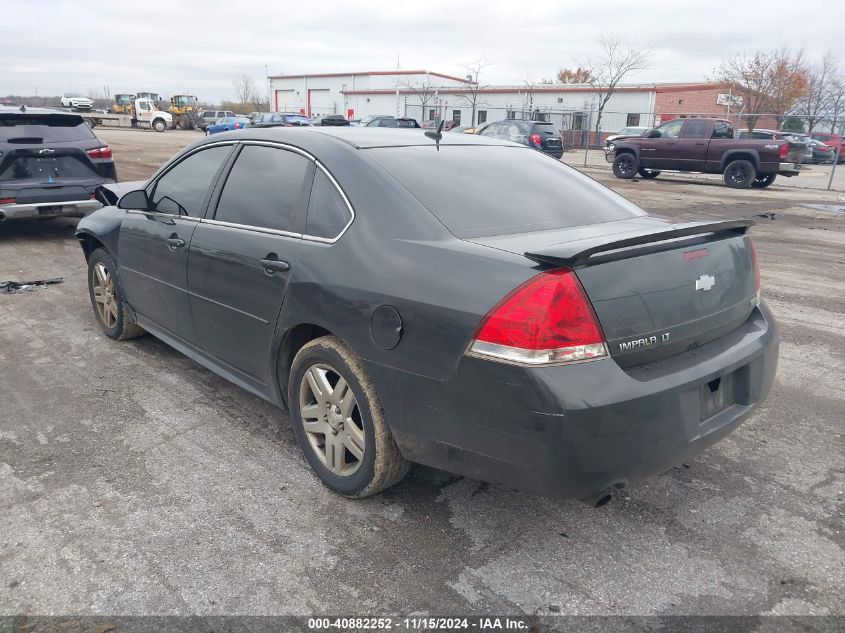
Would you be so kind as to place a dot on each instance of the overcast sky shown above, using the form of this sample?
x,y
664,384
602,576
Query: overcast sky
x,y
197,47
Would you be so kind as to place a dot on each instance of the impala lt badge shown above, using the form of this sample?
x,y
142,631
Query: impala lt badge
x,y
705,282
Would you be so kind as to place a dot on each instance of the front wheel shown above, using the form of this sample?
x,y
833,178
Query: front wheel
x,y
739,174
159,125
625,166
761,182
339,422
106,293
648,173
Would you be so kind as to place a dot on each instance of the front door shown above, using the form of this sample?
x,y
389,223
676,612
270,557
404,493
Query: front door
x,y
660,152
153,242
240,260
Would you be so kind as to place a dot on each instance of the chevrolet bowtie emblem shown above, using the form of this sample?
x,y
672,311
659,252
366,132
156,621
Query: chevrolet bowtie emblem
x,y
705,282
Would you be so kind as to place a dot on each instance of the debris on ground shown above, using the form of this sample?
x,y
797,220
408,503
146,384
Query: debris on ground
x,y
769,214
10,287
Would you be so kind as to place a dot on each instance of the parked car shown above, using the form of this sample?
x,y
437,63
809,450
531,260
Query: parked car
x,y
51,164
77,101
362,122
227,124
836,141
265,119
584,345
625,132
390,121
799,148
822,152
461,129
539,135
703,145
207,117
330,119
294,119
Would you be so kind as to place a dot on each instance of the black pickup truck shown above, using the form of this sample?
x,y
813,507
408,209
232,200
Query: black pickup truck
x,y
702,145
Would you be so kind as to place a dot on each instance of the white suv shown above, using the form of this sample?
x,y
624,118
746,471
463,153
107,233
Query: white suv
x,y
77,102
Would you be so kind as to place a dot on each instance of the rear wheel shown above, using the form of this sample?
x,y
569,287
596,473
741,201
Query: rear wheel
x,y
107,298
739,174
625,166
185,122
648,173
339,422
761,182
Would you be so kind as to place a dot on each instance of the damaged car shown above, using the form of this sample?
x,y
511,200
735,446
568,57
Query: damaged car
x,y
530,328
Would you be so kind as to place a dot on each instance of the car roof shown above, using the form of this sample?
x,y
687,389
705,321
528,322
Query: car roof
x,y
356,137
17,110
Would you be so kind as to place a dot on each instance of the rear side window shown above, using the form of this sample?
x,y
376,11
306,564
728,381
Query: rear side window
x,y
43,128
723,129
510,190
264,188
183,189
327,211
696,129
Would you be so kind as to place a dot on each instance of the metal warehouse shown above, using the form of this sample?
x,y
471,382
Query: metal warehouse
x,y
427,95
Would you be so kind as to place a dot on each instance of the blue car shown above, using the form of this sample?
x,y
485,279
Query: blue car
x,y
227,124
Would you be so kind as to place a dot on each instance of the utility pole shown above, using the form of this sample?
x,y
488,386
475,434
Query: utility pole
x,y
397,85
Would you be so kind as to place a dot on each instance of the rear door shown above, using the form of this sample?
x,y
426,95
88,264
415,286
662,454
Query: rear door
x,y
153,243
240,259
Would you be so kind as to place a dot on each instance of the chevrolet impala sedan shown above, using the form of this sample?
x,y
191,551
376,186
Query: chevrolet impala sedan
x,y
451,300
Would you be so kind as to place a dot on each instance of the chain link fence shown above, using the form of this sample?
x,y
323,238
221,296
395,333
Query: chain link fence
x,y
584,147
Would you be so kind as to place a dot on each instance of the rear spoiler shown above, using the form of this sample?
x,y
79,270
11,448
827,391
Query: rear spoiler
x,y
576,254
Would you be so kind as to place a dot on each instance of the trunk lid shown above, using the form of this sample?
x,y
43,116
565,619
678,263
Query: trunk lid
x,y
657,288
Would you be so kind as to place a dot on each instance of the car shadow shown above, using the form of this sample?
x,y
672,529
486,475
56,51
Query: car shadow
x,y
48,229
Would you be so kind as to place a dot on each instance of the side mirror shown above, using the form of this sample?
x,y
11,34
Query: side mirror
x,y
134,200
655,133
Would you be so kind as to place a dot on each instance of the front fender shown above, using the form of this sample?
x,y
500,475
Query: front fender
x,y
100,228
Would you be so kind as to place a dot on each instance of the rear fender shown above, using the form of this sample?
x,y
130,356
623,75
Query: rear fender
x,y
734,154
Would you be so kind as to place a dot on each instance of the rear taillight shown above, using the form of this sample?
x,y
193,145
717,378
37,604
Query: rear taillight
x,y
784,150
756,264
535,138
237,126
100,152
7,201
548,319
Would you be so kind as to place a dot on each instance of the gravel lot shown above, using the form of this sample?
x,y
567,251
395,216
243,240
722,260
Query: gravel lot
x,y
133,481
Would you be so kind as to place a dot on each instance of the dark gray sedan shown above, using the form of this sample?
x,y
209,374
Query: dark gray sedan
x,y
465,303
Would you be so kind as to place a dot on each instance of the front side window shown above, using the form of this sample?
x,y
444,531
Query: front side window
x,y
723,129
672,129
183,189
327,211
264,188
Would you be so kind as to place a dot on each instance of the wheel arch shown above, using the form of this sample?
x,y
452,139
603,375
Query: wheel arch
x,y
293,340
90,242
740,154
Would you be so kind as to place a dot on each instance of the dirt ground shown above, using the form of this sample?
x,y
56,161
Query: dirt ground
x,y
133,481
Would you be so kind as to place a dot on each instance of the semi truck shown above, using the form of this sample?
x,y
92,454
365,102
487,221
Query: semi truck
x,y
144,114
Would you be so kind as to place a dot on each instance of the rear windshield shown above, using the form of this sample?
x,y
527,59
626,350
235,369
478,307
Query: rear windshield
x,y
479,191
43,128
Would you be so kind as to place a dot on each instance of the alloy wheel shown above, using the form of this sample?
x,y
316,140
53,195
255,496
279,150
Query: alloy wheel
x,y
627,166
331,418
104,297
739,174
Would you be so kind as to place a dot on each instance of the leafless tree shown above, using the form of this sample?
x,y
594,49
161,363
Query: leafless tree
x,y
471,94
245,88
821,82
619,57
769,82
836,105
423,93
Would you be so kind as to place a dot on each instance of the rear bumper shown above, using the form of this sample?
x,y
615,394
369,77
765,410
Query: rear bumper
x,y
73,208
788,169
577,430
556,152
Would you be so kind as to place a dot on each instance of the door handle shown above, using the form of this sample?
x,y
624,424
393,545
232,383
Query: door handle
x,y
272,264
174,242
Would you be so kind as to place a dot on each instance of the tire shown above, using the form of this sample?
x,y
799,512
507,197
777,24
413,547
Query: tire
x,y
648,174
625,166
185,122
326,362
112,316
159,125
761,182
739,174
